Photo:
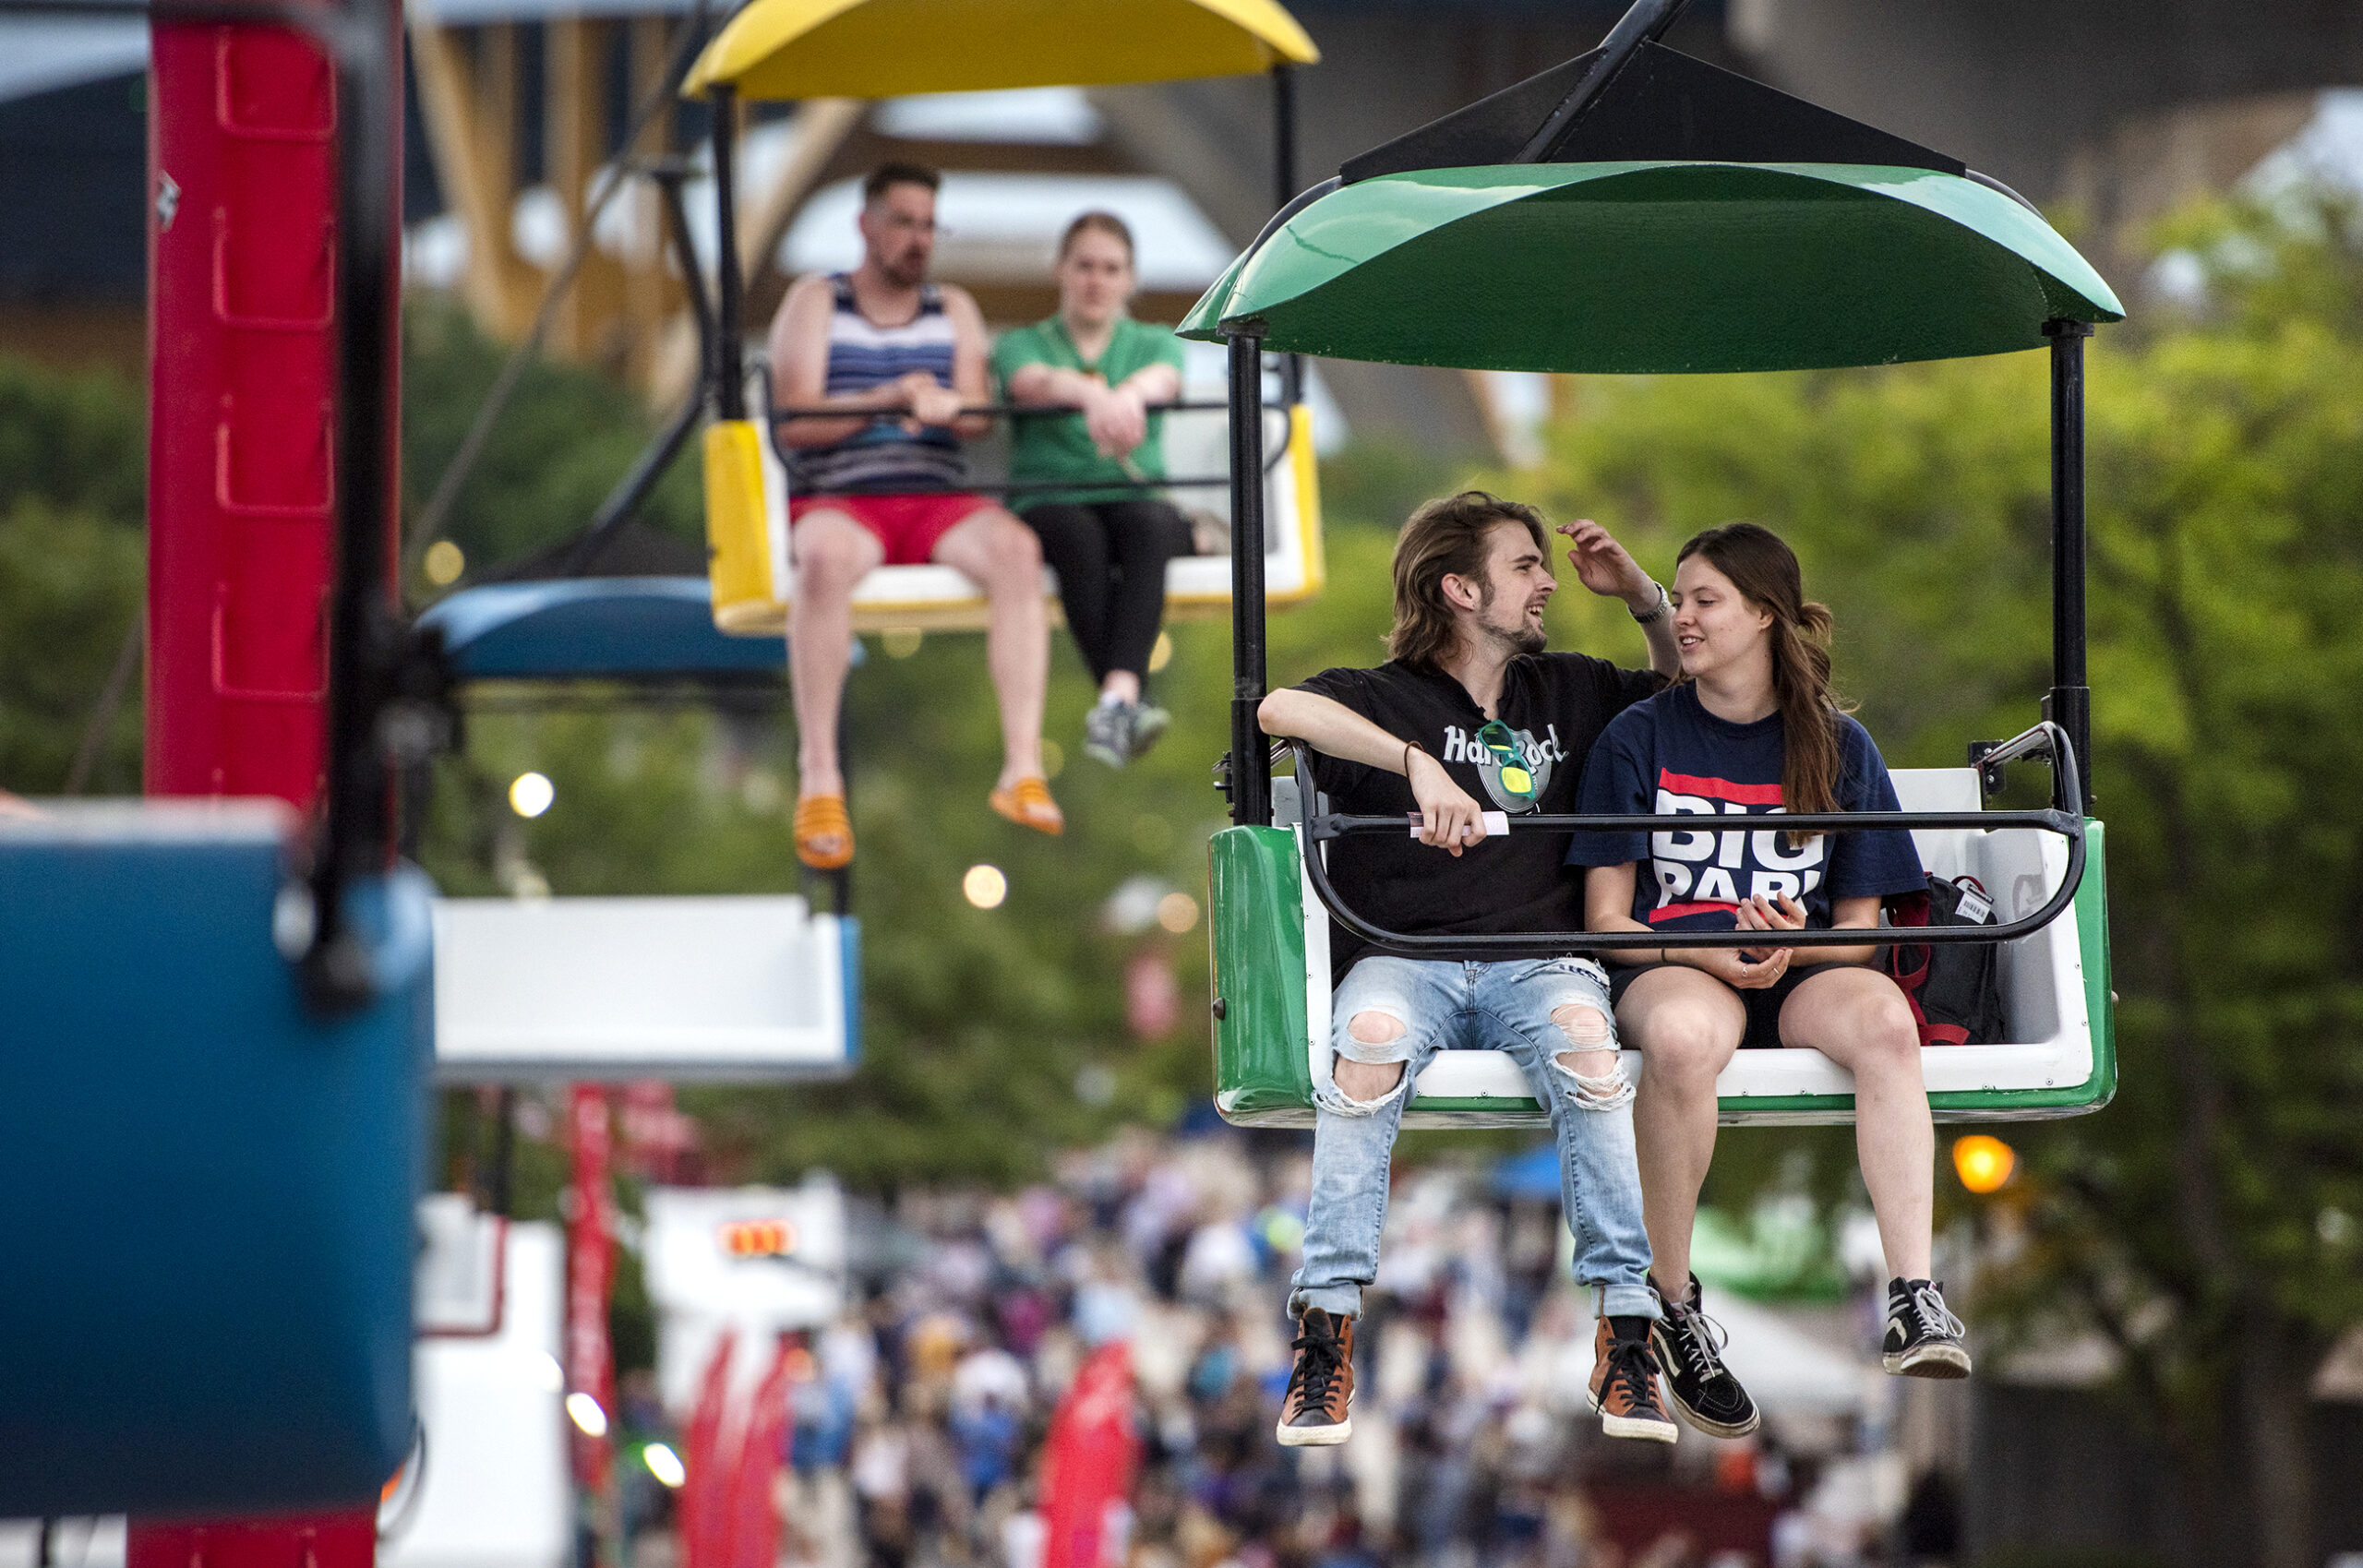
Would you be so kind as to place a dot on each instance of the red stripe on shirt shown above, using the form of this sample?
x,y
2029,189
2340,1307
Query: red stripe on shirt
x,y
1719,789
1680,911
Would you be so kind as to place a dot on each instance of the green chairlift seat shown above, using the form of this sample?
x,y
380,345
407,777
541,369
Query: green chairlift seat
x,y
1638,211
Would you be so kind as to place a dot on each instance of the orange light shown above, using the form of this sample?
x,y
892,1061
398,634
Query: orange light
x,y
758,1238
1983,1164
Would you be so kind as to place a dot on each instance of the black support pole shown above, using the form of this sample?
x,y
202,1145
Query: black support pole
x,y
1251,777
2070,704
729,345
1284,190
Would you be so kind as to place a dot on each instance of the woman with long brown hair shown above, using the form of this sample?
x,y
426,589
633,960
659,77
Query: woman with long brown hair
x,y
1752,729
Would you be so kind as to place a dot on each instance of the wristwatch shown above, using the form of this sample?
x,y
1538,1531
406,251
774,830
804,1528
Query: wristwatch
x,y
1665,607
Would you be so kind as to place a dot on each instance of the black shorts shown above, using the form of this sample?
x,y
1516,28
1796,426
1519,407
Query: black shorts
x,y
1763,1004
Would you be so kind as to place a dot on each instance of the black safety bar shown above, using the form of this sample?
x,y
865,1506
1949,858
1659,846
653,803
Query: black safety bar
x,y
2046,738
1272,460
985,411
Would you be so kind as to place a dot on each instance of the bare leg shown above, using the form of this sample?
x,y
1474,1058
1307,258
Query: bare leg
x,y
1685,1024
832,554
1122,685
1857,1019
1002,556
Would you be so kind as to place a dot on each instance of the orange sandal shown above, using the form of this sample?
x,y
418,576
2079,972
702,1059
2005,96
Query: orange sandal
x,y
1027,803
821,817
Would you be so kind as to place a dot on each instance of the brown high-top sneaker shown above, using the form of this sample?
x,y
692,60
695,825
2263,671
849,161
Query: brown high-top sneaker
x,y
1313,1413
1625,1382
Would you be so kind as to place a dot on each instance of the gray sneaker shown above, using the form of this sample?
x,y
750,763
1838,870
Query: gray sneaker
x,y
1108,733
1149,720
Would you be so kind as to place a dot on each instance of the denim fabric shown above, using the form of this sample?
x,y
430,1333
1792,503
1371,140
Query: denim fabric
x,y
1445,1005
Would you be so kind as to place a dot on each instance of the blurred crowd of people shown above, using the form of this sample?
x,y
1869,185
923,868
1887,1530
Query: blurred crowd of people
x,y
920,1435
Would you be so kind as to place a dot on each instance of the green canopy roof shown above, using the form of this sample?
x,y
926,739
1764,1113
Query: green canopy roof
x,y
1658,266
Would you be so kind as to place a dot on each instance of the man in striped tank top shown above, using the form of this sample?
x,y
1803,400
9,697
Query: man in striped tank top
x,y
881,486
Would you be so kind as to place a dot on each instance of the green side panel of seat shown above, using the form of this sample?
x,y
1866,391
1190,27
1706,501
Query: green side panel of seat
x,y
1658,267
1260,1073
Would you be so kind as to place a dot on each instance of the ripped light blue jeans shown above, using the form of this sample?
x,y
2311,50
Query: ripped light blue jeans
x,y
1449,1005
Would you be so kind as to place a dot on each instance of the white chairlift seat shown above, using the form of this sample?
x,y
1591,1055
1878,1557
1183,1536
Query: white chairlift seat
x,y
2052,1065
722,989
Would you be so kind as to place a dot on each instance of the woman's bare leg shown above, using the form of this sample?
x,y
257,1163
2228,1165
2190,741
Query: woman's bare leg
x,y
1857,1019
1685,1024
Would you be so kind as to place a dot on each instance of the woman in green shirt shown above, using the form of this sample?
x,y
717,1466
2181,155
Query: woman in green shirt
x,y
1108,538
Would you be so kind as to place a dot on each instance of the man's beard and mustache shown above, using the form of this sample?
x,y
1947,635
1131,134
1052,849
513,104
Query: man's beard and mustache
x,y
1522,635
907,270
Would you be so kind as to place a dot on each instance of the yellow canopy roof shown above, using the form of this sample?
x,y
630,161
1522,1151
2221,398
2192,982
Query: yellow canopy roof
x,y
887,48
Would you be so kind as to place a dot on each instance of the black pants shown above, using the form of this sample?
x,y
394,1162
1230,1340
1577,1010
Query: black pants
x,y
1110,559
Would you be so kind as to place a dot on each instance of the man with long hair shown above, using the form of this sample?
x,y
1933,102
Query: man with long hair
x,y
1472,705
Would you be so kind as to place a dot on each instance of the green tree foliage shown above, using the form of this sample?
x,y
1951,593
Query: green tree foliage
x,y
73,480
2203,1223
562,441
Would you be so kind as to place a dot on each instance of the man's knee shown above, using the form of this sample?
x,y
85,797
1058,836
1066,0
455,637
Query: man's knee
x,y
832,561
1590,1061
1014,554
1365,1083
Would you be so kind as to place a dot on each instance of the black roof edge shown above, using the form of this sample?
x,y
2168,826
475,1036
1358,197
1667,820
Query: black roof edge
x,y
1664,104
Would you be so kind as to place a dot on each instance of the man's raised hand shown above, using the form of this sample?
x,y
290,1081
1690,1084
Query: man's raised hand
x,y
1449,820
1602,566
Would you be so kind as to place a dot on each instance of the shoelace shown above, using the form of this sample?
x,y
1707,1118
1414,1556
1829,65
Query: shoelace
x,y
1702,1339
1317,1372
1935,1319
1631,1368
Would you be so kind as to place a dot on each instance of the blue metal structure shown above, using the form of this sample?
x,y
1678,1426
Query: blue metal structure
x,y
206,1186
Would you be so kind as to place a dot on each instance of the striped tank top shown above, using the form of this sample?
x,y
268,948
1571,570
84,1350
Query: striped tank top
x,y
884,458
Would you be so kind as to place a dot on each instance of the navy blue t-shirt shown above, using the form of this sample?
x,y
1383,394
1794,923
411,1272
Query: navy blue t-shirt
x,y
1669,755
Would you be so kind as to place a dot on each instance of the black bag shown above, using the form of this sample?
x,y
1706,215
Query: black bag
x,y
1955,990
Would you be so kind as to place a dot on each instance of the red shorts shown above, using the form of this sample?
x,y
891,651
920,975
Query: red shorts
x,y
907,525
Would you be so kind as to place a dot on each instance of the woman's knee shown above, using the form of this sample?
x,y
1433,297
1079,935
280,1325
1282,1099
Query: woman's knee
x,y
1684,1045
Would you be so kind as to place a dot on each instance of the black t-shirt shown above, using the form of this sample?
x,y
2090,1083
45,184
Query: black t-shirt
x,y
1672,756
1556,704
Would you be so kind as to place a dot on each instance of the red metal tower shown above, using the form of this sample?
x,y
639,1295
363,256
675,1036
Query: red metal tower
x,y
243,127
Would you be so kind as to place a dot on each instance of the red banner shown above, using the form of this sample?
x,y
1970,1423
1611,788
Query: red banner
x,y
704,1513
1088,1464
590,1277
755,1523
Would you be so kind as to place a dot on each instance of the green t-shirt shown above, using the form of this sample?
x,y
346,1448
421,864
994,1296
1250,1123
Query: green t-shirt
x,y
1044,447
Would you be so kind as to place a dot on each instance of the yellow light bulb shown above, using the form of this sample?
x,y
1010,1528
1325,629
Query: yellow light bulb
x,y
1983,1164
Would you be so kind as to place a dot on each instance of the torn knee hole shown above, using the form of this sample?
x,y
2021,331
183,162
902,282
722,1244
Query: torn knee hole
x,y
1374,1028
1586,1027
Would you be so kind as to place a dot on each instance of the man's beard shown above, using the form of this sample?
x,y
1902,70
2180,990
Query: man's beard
x,y
1523,637
903,276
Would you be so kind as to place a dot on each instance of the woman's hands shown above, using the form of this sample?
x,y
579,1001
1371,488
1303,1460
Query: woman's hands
x,y
1751,969
1116,418
1449,818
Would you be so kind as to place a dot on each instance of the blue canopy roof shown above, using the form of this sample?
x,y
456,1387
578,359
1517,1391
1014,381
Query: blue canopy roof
x,y
594,629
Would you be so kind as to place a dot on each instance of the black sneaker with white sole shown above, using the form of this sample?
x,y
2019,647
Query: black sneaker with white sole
x,y
1690,1344
1923,1339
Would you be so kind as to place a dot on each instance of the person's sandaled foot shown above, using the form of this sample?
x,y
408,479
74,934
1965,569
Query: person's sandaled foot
x,y
1027,803
823,832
